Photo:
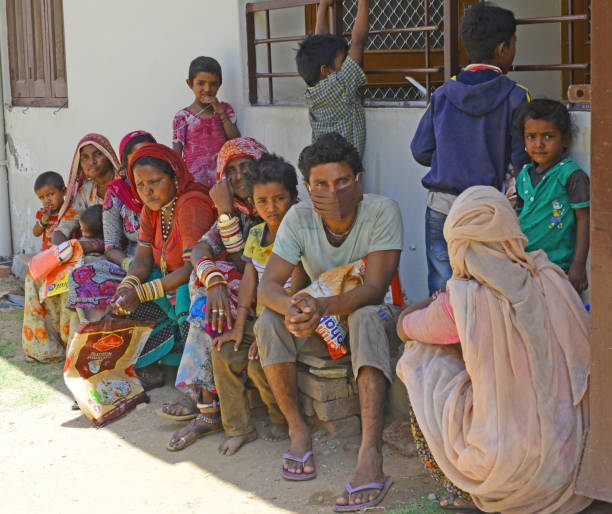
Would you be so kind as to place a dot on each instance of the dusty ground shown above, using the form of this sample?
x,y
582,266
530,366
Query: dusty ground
x,y
53,460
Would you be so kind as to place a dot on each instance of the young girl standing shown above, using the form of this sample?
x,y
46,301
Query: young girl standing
x,y
553,192
200,130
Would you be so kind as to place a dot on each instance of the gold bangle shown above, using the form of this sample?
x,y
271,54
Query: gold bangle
x,y
216,284
211,275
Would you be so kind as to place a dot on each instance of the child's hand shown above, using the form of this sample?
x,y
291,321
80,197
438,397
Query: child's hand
x,y
577,275
235,335
253,351
213,101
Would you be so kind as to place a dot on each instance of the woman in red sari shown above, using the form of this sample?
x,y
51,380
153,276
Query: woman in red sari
x,y
176,213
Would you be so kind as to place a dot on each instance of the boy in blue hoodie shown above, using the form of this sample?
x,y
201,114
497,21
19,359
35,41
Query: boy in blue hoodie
x,y
468,135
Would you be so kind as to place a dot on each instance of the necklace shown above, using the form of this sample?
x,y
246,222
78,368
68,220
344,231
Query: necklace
x,y
334,234
167,221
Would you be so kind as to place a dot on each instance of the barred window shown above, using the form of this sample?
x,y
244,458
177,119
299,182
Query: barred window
x,y
413,46
404,50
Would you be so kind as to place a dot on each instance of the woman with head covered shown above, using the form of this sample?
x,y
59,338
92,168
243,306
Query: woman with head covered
x,y
502,412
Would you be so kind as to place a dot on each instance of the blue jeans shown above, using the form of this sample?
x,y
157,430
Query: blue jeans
x,y
438,264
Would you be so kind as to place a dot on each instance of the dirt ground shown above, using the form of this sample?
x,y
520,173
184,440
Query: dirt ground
x,y
53,460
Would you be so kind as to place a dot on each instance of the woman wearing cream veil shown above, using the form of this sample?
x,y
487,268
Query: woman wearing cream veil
x,y
498,418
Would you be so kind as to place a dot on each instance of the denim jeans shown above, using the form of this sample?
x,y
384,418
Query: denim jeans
x,y
438,264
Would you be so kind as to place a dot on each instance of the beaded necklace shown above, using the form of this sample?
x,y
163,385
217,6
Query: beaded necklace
x,y
167,221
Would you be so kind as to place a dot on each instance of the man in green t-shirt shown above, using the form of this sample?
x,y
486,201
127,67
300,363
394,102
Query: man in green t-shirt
x,y
340,227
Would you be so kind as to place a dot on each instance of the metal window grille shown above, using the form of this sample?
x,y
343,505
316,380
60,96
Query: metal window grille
x,y
391,14
395,25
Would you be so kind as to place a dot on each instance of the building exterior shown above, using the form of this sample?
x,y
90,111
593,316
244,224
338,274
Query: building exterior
x,y
126,64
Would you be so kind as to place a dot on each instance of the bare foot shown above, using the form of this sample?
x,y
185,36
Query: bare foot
x,y
276,433
190,433
301,443
369,469
232,444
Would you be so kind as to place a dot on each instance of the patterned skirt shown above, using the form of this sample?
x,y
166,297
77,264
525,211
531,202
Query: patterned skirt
x,y
427,458
167,341
93,285
46,324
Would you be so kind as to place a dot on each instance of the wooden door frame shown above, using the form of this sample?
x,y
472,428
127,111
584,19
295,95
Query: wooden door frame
x,y
594,477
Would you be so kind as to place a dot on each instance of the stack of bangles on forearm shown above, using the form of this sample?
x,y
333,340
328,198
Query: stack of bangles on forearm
x,y
207,270
129,281
231,235
146,292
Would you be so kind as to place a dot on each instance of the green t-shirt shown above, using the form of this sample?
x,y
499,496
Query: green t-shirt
x,y
378,226
547,217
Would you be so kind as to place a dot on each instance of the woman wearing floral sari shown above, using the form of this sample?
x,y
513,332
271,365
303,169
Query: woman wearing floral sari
x,y
46,323
176,213
195,376
92,287
502,412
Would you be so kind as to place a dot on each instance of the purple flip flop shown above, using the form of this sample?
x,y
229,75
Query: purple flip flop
x,y
384,487
298,476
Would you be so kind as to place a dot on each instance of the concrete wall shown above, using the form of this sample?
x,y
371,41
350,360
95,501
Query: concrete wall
x,y
126,68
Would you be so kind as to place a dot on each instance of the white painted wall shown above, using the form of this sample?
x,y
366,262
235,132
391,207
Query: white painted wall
x,y
126,66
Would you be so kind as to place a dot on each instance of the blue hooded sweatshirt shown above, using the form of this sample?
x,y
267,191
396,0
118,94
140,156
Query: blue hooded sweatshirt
x,y
468,133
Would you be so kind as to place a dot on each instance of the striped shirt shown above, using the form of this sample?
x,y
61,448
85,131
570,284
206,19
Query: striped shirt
x,y
334,106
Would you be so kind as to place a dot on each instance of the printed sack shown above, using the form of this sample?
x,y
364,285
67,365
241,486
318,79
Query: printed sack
x,y
99,369
332,328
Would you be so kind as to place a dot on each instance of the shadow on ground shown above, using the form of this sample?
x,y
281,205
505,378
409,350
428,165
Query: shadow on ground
x,y
46,439
57,461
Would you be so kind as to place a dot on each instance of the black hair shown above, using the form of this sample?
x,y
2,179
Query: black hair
x,y
160,164
330,147
271,168
544,109
92,219
49,178
205,65
483,27
316,51
143,138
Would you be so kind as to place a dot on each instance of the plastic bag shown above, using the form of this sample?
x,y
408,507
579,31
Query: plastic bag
x,y
100,367
333,328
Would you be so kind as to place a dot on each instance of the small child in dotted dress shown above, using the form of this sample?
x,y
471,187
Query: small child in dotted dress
x,y
200,130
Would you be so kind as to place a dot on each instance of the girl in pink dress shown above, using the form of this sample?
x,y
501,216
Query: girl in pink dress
x,y
200,130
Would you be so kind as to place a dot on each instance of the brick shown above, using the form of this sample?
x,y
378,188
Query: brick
x,y
5,271
344,427
330,372
397,404
319,362
307,406
323,389
336,409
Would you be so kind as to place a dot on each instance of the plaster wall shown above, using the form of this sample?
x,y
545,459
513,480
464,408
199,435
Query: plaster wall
x,y
126,69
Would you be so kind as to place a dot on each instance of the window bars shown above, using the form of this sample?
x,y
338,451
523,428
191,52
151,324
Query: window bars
x,y
422,27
